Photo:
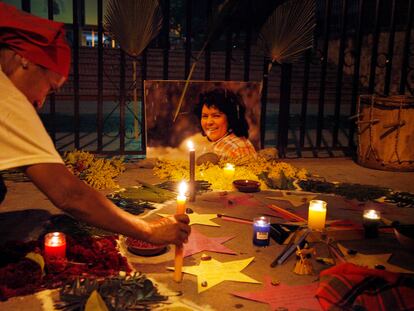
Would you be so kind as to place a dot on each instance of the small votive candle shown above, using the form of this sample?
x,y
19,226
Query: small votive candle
x,y
228,171
55,246
372,220
261,228
317,215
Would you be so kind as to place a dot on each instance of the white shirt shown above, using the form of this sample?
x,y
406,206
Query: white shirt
x,y
23,138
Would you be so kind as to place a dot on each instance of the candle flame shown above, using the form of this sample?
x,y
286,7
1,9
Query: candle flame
x,y
190,145
182,188
229,166
372,214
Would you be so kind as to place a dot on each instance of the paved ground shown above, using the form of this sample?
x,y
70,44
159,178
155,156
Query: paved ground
x,y
25,209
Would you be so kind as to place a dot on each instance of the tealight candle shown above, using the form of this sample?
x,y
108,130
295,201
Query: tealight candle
x,y
372,220
228,171
261,229
179,249
192,170
55,245
317,214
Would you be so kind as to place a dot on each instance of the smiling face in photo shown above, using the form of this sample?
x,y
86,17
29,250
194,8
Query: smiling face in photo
x,y
214,122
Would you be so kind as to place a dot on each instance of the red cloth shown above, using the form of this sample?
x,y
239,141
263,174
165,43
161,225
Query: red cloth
x,y
39,40
351,287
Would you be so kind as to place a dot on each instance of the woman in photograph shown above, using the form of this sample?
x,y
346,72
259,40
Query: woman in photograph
x,y
222,118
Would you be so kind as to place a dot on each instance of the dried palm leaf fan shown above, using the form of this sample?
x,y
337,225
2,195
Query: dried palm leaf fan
x,y
133,24
289,31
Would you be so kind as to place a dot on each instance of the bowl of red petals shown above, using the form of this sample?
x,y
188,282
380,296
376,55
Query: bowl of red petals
x,y
142,248
245,185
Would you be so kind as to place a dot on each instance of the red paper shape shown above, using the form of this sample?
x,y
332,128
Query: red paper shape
x,y
285,296
198,242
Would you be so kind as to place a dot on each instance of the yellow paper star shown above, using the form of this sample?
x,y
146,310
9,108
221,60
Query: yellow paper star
x,y
199,219
371,260
213,272
295,199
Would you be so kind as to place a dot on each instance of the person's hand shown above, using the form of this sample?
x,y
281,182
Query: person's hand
x,y
172,229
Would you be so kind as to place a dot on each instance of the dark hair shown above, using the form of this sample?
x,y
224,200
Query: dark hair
x,y
228,103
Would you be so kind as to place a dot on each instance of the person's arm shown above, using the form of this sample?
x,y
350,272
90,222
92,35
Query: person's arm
x,y
75,197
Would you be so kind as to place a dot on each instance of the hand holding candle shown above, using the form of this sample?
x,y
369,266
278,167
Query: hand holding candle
x,y
179,249
317,215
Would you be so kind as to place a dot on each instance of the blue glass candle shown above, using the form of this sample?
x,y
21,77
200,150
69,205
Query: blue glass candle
x,y
261,228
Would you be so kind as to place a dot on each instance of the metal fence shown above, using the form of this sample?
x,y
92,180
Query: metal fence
x,y
361,47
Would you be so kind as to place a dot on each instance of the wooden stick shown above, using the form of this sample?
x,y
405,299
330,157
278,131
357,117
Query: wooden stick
x,y
286,213
235,219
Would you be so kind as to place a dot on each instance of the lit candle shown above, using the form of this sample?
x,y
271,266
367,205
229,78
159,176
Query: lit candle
x,y
372,220
228,171
192,170
261,228
113,43
179,249
317,215
55,245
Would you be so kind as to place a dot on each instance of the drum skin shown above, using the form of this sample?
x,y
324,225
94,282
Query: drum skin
x,y
386,132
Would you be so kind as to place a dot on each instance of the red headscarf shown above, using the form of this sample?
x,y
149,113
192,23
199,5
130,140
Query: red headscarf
x,y
39,40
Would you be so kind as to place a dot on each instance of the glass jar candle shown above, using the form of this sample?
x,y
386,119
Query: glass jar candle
x,y
261,229
371,222
317,215
55,245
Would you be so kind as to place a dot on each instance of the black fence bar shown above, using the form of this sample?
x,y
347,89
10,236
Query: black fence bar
x,y
390,51
207,53
26,6
283,130
265,80
122,101
355,78
374,50
321,105
52,98
339,73
75,50
144,74
165,37
304,104
99,103
229,48
188,31
248,42
406,54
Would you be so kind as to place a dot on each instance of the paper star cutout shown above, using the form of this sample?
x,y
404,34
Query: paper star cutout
x,y
198,242
199,219
371,260
285,296
212,272
295,199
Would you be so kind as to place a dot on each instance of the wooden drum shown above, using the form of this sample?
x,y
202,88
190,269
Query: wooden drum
x,y
386,132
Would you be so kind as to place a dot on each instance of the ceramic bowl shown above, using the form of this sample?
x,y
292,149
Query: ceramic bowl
x,y
142,248
247,185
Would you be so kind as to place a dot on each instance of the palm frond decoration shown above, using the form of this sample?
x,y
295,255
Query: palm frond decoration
x,y
133,24
289,31
217,24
